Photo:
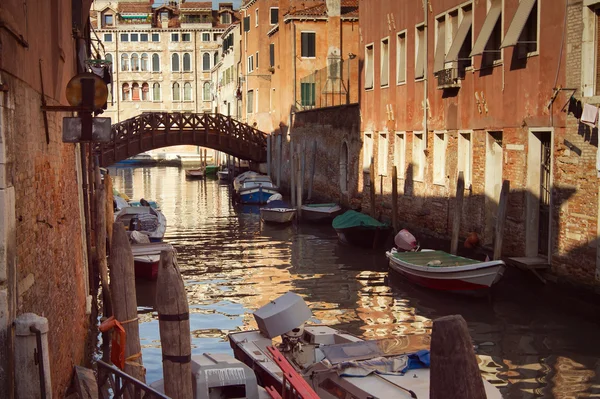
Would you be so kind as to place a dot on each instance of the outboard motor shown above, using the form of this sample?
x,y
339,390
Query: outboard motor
x,y
405,241
291,340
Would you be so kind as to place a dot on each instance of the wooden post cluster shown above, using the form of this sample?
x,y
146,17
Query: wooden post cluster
x,y
395,199
100,230
312,170
292,174
460,193
122,284
454,371
499,231
174,325
372,188
110,210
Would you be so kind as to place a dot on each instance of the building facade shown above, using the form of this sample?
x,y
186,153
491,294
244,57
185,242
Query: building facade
x,y
226,74
450,86
162,54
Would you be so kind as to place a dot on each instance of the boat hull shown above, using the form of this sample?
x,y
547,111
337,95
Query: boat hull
x,y
277,215
315,216
223,175
460,279
211,170
256,195
146,266
194,174
364,237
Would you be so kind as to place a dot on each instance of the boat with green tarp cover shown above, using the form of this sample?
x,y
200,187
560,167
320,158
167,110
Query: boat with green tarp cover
x,y
442,271
320,213
358,229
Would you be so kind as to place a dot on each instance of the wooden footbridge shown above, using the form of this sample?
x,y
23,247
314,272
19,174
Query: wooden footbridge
x,y
152,130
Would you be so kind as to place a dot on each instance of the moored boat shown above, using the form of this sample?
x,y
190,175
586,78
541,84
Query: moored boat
x,y
320,213
211,170
256,190
277,211
145,220
332,362
442,271
223,174
197,173
146,258
239,179
357,229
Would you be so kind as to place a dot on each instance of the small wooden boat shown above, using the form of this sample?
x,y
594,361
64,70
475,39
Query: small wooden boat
x,y
143,202
211,170
442,271
239,179
223,174
195,173
334,363
360,230
146,258
144,219
256,190
277,212
320,213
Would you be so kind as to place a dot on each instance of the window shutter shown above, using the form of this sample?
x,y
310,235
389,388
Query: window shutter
x,y
274,16
312,45
246,24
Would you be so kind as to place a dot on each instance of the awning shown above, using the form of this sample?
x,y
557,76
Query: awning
x,y
491,19
518,23
459,39
440,50
420,62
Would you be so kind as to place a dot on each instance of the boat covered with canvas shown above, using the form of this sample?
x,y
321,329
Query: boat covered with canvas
x,y
197,173
239,179
320,213
143,219
334,363
146,258
256,190
277,211
360,230
211,170
442,271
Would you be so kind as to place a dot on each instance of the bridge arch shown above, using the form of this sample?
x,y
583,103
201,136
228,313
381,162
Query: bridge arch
x,y
153,130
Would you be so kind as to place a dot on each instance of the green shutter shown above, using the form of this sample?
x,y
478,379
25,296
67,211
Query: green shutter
x,y
246,24
272,54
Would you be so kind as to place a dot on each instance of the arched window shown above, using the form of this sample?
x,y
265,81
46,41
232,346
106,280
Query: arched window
x,y
135,62
216,61
156,91
124,62
206,92
135,92
144,62
125,92
176,92
175,63
110,95
145,89
206,62
108,58
187,91
155,63
187,62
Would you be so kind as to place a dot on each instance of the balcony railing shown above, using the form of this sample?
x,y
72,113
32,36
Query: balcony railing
x,y
448,78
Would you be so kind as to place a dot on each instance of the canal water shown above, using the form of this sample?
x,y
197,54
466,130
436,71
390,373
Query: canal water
x,y
531,341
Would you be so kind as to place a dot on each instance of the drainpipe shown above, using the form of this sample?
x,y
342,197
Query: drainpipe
x,y
425,74
32,363
246,75
116,71
197,99
294,64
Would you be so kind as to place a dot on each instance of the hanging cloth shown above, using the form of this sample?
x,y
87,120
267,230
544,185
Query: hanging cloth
x,y
589,115
97,70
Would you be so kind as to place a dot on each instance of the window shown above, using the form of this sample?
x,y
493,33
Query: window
x,y
155,63
187,62
250,63
187,91
250,102
143,37
156,37
307,94
186,37
272,55
125,92
108,20
490,37
144,62
382,154
124,37
439,158
418,156
256,60
274,16
440,44
307,40
256,17
216,58
528,41
400,154
108,37
156,91
109,58
206,62
135,62
246,24
384,75
174,37
135,92
225,18
465,160
124,62
401,58
419,52
175,62
206,37
460,49
134,37
144,91
206,91
176,92
367,151
369,67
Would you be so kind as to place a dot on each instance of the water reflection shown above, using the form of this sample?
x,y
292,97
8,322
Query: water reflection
x,y
529,343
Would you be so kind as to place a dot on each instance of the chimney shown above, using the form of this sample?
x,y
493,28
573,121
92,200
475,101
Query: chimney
x,y
334,30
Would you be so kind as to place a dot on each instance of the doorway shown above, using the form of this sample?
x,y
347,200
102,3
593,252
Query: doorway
x,y
493,182
539,193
